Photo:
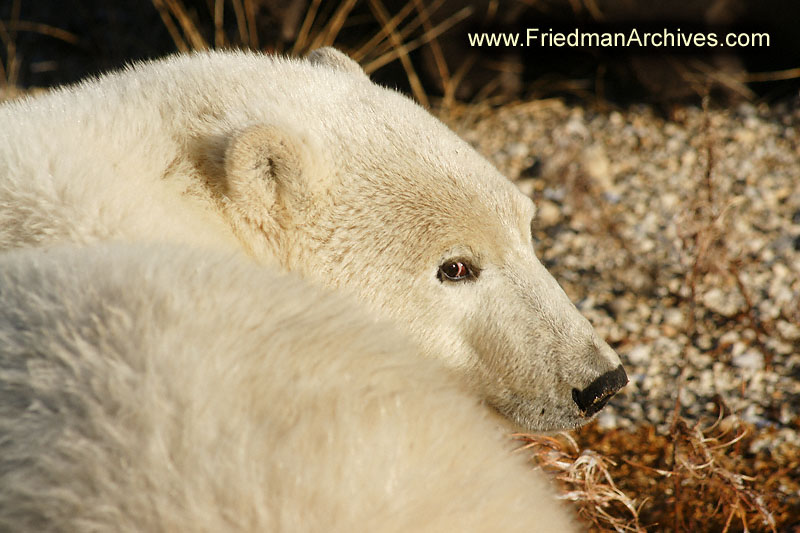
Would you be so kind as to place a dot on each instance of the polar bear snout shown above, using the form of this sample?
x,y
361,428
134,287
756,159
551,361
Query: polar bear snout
x,y
594,397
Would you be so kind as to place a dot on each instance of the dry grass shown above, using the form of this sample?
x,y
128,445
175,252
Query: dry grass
x,y
389,37
586,480
697,478
9,69
690,480
8,35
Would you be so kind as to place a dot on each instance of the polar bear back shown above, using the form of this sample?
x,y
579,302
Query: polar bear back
x,y
158,389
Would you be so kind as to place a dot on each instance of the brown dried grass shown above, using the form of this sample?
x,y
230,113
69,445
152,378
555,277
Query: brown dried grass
x,y
396,36
624,481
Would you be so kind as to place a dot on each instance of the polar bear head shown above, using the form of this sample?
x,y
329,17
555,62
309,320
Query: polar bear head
x,y
363,190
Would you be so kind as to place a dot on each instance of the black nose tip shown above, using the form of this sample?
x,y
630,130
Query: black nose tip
x,y
596,395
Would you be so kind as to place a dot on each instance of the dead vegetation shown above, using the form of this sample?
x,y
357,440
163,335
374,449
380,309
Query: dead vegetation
x,y
694,479
385,37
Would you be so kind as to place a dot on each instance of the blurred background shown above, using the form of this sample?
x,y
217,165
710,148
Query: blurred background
x,y
422,46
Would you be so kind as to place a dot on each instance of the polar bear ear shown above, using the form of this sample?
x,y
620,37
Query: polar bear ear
x,y
262,163
333,58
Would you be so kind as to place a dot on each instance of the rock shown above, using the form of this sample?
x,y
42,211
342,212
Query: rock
x,y
640,355
548,214
787,330
725,302
751,359
596,164
518,150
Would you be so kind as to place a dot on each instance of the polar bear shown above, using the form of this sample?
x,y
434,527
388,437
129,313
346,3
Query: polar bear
x,y
160,388
309,167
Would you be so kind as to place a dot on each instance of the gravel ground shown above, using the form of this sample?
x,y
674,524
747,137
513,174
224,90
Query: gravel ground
x,y
679,239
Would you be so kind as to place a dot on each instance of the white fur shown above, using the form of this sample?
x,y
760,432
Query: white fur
x,y
155,389
310,166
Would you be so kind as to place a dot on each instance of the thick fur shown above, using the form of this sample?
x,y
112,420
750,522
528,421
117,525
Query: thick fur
x,y
148,383
147,388
307,165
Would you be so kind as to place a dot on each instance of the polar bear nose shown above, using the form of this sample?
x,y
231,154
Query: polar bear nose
x,y
596,395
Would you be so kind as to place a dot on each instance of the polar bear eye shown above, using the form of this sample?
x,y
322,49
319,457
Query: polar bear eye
x,y
455,271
